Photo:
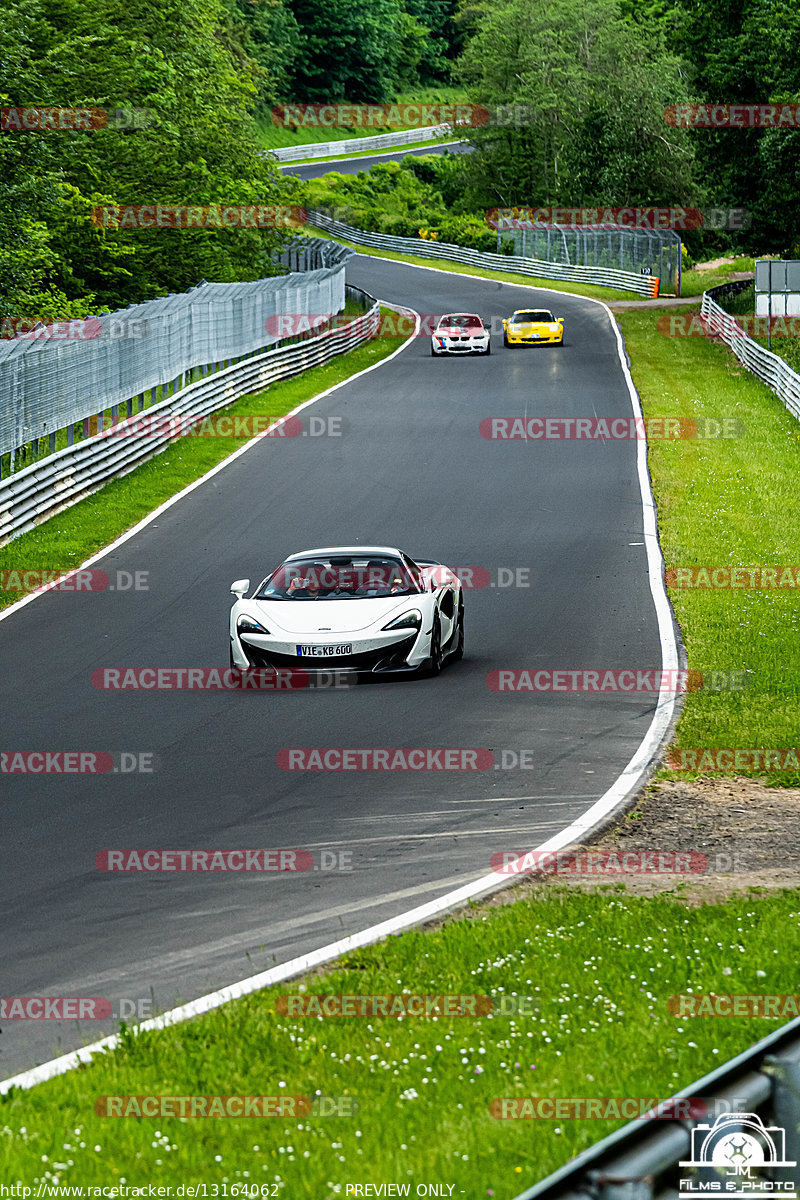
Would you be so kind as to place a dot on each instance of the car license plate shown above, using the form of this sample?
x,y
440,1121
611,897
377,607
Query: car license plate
x,y
324,651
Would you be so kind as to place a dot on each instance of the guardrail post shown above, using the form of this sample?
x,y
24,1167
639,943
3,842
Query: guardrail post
x,y
623,1189
785,1071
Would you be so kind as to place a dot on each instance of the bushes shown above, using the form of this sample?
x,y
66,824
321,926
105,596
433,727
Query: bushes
x,y
400,199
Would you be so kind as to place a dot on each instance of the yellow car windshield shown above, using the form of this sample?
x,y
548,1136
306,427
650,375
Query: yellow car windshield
x,y
537,317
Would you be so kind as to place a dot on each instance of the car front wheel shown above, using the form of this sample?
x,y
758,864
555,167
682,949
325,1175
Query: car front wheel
x,y
458,653
436,657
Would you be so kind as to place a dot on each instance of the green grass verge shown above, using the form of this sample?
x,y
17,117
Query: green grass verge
x,y
600,969
730,502
443,264
694,283
68,538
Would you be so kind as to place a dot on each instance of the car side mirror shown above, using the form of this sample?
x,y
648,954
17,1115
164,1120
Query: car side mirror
x,y
239,587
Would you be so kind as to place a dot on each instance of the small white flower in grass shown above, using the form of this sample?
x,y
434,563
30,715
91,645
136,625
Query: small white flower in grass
x,y
217,1158
727,971
761,974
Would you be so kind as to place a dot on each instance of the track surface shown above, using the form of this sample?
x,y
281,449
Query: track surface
x,y
411,470
351,166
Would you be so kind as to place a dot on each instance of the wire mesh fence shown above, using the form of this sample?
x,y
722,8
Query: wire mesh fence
x,y
57,381
619,247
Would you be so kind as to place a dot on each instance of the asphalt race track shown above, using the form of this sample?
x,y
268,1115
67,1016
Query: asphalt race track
x,y
412,470
351,166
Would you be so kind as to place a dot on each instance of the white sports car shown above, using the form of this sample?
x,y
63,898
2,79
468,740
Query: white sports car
x,y
369,609
460,333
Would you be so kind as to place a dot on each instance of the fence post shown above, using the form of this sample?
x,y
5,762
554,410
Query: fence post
x,y
625,1189
785,1071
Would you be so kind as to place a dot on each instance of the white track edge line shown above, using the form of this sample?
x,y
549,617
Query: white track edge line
x,y
146,520
630,777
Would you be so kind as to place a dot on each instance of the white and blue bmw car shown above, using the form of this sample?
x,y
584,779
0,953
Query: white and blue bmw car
x,y
369,609
460,333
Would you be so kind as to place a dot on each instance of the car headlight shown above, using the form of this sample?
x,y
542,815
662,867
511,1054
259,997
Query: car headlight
x,y
554,328
409,620
249,625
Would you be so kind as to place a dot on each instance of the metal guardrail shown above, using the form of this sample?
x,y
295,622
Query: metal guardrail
x,y
380,141
643,285
638,1163
50,383
775,372
37,492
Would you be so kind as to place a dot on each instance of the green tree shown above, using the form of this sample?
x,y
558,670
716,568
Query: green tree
x,y
200,148
590,88
747,53
347,51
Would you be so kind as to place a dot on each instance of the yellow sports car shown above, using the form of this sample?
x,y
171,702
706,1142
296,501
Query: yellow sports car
x,y
530,326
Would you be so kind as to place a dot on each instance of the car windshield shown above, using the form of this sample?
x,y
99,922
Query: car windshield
x,y
461,321
341,578
534,315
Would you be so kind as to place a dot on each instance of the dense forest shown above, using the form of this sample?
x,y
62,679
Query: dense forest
x,y
592,76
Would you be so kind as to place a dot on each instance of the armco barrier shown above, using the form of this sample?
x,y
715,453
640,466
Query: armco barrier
x,y
641,1160
644,285
47,487
775,372
381,141
48,384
